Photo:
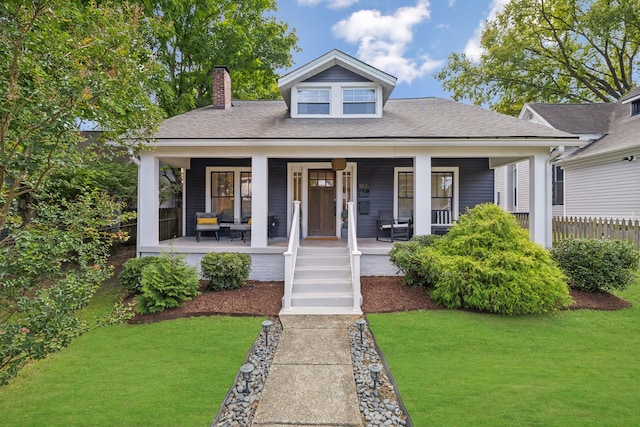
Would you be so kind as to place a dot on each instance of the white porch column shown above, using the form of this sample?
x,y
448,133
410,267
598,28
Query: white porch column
x,y
148,200
259,201
539,213
422,195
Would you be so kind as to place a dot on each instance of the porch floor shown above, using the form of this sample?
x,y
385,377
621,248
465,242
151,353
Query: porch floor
x,y
188,244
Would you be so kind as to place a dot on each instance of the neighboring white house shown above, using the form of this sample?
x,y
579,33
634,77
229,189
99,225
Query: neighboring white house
x,y
601,178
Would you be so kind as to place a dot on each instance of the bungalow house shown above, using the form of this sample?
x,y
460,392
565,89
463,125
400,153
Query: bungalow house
x,y
597,179
334,154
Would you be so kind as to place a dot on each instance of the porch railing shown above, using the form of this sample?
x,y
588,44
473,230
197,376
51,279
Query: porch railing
x,y
290,256
354,257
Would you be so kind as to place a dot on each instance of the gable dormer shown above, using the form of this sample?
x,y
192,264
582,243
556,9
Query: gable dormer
x,y
633,99
336,85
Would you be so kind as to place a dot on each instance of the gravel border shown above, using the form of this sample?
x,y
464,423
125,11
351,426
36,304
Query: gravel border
x,y
380,407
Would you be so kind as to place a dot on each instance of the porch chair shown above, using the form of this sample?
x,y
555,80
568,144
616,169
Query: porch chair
x,y
207,221
240,226
399,230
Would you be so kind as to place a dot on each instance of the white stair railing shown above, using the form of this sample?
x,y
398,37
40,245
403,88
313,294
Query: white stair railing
x,y
354,257
290,256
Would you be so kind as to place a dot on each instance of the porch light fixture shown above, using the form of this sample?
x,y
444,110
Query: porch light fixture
x,y
374,370
361,322
265,327
246,370
338,164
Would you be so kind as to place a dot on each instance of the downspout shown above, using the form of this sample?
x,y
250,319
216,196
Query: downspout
x,y
555,153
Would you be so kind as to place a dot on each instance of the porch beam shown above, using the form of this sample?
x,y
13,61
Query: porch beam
x,y
422,195
148,200
259,201
539,203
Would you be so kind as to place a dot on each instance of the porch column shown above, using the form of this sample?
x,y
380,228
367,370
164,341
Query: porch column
x,y
148,200
259,201
422,195
539,214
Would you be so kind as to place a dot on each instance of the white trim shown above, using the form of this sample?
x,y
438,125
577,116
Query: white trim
x,y
237,194
303,168
335,99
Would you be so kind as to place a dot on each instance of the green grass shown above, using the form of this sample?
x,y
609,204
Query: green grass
x,y
172,373
455,368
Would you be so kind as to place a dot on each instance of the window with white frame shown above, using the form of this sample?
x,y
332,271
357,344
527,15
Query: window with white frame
x,y
444,194
557,186
358,101
353,100
229,192
314,101
635,107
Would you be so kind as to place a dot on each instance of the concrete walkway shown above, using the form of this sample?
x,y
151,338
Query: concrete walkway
x,y
311,381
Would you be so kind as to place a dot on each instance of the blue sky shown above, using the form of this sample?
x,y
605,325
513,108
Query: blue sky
x,y
409,39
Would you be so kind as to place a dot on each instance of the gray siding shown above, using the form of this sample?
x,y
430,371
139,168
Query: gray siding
x,y
278,195
337,74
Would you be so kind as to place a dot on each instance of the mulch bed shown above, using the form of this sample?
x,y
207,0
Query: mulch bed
x,y
380,295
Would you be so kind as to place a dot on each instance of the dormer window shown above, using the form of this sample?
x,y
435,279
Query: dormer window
x,y
314,101
358,101
336,100
635,107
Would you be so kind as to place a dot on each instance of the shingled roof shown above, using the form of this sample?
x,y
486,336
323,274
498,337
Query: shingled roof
x,y
423,118
620,131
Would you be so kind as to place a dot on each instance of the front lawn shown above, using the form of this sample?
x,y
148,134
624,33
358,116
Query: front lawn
x,y
577,368
172,373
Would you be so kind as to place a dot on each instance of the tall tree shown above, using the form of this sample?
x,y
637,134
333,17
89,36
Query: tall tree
x,y
550,51
62,63
192,36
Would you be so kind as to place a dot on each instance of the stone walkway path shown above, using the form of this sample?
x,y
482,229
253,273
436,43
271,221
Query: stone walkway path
x,y
310,382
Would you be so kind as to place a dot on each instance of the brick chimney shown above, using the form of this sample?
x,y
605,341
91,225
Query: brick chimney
x,y
221,87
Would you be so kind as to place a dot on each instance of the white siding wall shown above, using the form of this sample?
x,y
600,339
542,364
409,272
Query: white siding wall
x,y
610,190
500,180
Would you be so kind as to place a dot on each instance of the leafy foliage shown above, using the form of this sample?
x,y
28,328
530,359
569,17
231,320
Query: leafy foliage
x,y
550,51
225,270
596,265
131,274
486,262
407,257
62,65
167,282
190,38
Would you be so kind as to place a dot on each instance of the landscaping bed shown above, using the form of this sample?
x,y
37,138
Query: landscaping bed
x,y
381,294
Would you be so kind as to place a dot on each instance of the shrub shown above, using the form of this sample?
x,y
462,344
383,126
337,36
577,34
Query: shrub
x,y
596,265
225,270
487,262
131,273
167,282
407,257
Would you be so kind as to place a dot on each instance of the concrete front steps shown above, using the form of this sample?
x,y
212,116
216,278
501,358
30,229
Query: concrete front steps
x,y
322,282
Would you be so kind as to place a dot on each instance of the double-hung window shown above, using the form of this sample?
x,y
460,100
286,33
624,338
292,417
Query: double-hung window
x,y
314,101
229,192
359,101
557,186
444,194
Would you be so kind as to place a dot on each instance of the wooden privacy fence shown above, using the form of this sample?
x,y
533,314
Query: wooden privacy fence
x,y
169,223
596,228
564,227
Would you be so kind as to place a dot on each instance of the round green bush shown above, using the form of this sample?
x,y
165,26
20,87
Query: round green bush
x,y
225,270
131,273
167,282
487,262
406,256
597,265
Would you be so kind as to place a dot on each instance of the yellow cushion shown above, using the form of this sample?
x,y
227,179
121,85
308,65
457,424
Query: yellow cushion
x,y
249,221
207,221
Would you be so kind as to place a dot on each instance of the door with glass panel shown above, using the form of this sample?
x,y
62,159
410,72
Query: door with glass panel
x,y
321,202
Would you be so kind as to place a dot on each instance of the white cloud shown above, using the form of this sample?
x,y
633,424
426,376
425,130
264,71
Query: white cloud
x,y
473,49
383,39
332,4
452,3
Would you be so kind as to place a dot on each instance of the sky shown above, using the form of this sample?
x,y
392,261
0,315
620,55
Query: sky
x,y
409,39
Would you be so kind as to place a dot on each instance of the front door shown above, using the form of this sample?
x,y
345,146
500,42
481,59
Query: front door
x,y
322,197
